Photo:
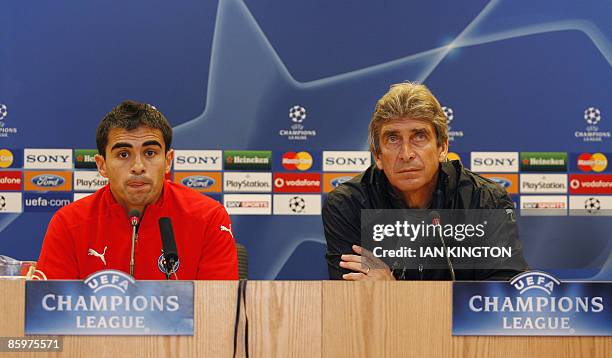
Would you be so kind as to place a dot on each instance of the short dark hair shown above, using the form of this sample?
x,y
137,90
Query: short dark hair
x,y
130,115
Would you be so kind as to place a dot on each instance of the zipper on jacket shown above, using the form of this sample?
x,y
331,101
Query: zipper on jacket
x,y
421,271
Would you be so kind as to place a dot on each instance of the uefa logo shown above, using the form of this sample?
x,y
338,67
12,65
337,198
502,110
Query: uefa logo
x,y
592,205
3,111
297,114
592,116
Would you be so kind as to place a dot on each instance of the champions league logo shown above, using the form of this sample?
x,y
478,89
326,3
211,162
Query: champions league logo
x,y
534,304
109,302
297,131
592,117
450,116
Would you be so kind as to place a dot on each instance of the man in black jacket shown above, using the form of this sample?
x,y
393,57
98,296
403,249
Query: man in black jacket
x,y
408,137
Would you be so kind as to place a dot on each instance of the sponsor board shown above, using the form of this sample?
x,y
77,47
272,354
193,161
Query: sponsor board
x,y
85,158
247,182
544,183
248,204
301,161
494,162
507,181
346,161
11,180
79,196
88,180
587,162
205,182
109,302
10,203
297,183
297,204
198,160
543,161
533,303
247,159
590,205
332,180
47,180
543,205
37,202
590,183
10,158
47,158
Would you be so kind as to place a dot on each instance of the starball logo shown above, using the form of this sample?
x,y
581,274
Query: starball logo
x,y
592,133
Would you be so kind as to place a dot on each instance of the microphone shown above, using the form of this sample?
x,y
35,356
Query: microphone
x,y
134,216
169,251
435,219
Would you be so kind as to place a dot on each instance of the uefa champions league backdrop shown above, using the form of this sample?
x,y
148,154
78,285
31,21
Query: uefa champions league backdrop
x,y
298,80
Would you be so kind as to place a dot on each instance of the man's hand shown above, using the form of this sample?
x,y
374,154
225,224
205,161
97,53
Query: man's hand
x,y
367,267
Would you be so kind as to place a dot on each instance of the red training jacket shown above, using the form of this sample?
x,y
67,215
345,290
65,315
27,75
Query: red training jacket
x,y
94,233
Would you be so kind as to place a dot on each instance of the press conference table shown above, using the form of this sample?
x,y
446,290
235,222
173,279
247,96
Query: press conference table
x,y
313,319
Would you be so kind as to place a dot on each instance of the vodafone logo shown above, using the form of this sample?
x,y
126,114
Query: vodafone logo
x,y
297,183
592,162
591,184
297,161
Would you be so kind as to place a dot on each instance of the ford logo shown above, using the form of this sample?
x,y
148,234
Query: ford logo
x,y
198,182
502,181
337,181
47,180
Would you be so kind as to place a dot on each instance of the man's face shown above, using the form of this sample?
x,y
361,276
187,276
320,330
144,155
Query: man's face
x,y
135,165
409,154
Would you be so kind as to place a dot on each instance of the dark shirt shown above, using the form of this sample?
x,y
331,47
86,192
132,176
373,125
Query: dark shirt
x,y
457,188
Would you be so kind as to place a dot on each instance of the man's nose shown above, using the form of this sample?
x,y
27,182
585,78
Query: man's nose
x,y
138,167
407,152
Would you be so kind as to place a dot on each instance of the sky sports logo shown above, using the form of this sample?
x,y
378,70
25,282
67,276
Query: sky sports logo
x,y
248,204
34,202
247,159
543,161
47,158
543,205
198,160
346,161
494,162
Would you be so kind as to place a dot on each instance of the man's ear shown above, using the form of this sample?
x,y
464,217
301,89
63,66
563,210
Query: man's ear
x,y
169,159
379,163
443,152
101,164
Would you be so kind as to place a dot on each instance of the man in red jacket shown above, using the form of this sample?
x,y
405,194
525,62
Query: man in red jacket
x,y
94,233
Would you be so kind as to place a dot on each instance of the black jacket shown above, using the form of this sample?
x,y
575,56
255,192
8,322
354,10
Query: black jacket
x,y
458,188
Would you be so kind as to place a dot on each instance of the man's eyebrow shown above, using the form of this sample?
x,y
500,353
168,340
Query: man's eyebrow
x,y
420,130
151,142
390,132
121,145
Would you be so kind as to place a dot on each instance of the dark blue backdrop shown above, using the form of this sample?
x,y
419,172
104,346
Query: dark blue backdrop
x,y
518,75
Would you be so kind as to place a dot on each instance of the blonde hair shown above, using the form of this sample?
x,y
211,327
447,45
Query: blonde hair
x,y
407,100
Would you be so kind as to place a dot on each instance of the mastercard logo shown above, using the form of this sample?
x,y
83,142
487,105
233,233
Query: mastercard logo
x,y
592,162
297,161
6,158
